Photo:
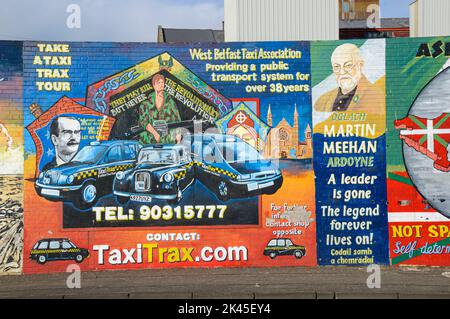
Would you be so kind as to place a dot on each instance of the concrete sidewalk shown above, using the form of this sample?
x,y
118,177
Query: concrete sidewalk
x,y
288,283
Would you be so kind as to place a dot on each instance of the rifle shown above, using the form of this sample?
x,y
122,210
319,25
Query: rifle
x,y
162,127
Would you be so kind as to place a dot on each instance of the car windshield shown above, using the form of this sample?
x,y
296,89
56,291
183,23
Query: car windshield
x,y
155,156
238,151
90,154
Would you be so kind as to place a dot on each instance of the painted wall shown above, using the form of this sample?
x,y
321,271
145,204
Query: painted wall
x,y
11,158
350,151
417,107
269,154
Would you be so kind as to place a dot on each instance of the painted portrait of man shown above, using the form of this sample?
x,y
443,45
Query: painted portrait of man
x,y
354,92
65,134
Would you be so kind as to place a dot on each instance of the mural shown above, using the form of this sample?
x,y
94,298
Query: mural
x,y
349,152
11,158
167,155
271,154
418,166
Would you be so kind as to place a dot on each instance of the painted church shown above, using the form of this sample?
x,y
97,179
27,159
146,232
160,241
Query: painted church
x,y
283,140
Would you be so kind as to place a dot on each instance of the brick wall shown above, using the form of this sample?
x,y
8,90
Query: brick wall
x,y
402,76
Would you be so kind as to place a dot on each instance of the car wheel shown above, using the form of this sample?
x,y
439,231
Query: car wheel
x,y
42,259
87,196
223,191
122,200
298,254
176,201
79,258
272,255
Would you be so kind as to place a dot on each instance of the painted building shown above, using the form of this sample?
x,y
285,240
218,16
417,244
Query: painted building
x,y
283,141
245,124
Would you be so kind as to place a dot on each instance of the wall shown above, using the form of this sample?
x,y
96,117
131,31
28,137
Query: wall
x,y
413,19
325,153
11,158
349,151
429,18
281,20
417,104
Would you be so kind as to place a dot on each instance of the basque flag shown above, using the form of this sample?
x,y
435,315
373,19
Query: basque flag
x,y
430,137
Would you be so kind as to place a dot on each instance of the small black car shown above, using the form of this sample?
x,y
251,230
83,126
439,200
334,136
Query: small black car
x,y
162,172
57,249
232,168
284,247
89,175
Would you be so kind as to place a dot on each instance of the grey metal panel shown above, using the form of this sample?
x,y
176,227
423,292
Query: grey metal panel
x,y
432,18
281,20
413,19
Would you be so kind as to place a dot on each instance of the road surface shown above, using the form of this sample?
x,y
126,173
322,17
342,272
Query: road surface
x,y
245,283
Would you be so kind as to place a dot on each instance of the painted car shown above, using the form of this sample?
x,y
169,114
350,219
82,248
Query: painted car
x,y
57,249
232,168
162,172
89,175
284,247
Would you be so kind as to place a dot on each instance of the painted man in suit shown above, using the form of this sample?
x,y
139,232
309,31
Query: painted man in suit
x,y
65,134
354,92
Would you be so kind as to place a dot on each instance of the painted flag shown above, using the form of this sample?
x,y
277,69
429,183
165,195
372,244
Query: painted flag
x,y
430,137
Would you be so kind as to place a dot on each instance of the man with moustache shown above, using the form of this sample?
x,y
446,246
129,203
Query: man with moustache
x,y
65,133
354,93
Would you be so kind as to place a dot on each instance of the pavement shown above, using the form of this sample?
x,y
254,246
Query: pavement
x,y
235,283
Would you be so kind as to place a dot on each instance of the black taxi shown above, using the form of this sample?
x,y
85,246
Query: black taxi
x,y
162,172
55,249
232,168
89,175
284,247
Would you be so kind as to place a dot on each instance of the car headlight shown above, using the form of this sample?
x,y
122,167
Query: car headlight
x,y
70,179
168,178
41,175
245,177
120,175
